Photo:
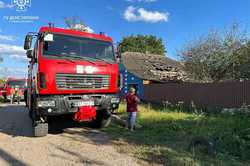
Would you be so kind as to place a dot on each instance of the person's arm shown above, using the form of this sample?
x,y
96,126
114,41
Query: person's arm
x,y
137,99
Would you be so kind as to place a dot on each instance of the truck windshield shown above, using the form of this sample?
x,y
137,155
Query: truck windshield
x,y
16,83
72,47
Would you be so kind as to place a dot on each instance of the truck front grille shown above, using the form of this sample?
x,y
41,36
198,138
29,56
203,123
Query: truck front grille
x,y
82,81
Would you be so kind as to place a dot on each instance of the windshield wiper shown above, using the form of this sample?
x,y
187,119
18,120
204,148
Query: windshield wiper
x,y
88,59
82,58
104,60
64,58
69,60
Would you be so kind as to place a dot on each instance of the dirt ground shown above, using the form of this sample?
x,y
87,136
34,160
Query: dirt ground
x,y
67,143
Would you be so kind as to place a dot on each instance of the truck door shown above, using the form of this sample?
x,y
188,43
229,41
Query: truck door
x,y
32,76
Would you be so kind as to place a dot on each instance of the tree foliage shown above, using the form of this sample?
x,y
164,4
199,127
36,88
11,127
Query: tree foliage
x,y
2,81
143,44
242,62
217,56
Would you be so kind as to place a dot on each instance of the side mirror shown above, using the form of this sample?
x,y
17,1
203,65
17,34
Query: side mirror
x,y
27,42
29,53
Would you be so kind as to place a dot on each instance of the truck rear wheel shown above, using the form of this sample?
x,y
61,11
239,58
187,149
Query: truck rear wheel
x,y
103,119
40,129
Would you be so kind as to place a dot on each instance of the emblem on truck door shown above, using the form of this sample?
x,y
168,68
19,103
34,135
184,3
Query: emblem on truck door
x,y
85,69
79,69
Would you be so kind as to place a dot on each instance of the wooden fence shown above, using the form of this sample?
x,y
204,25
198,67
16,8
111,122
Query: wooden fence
x,y
227,94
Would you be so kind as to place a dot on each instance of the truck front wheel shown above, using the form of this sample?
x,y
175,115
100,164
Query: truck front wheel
x,y
40,126
103,119
40,129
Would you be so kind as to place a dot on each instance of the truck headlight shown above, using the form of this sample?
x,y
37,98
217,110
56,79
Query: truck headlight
x,y
115,100
46,103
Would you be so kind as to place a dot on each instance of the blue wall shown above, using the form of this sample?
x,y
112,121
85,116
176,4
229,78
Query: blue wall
x,y
130,79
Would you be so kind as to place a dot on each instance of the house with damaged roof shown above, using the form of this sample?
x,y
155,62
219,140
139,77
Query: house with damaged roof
x,y
139,69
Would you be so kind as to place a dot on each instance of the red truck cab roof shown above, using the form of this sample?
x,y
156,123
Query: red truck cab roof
x,y
76,33
13,79
16,79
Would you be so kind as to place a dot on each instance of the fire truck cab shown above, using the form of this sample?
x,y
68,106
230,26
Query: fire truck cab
x,y
14,83
71,72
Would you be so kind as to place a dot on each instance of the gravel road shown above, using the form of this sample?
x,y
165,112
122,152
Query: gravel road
x,y
67,143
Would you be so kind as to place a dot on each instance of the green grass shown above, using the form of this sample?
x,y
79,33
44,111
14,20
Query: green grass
x,y
165,136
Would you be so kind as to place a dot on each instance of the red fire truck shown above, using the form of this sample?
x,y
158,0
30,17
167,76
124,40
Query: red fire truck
x,y
14,83
1,90
71,72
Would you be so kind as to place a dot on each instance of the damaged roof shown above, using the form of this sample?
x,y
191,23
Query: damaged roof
x,y
152,67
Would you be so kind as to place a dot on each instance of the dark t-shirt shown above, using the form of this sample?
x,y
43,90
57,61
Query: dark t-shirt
x,y
132,102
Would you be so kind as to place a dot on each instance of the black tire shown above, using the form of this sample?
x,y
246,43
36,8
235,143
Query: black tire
x,y
105,122
30,114
5,98
31,109
40,129
103,119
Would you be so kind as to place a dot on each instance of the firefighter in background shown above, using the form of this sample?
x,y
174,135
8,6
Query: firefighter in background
x,y
18,95
15,95
12,95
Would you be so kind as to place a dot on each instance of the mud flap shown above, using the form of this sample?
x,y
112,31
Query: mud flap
x,y
85,113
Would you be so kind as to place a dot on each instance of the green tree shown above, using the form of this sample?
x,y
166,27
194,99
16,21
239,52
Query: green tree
x,y
143,44
215,57
242,62
2,81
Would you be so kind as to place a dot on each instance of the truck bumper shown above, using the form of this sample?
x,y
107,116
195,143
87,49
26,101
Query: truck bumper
x,y
9,97
59,105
